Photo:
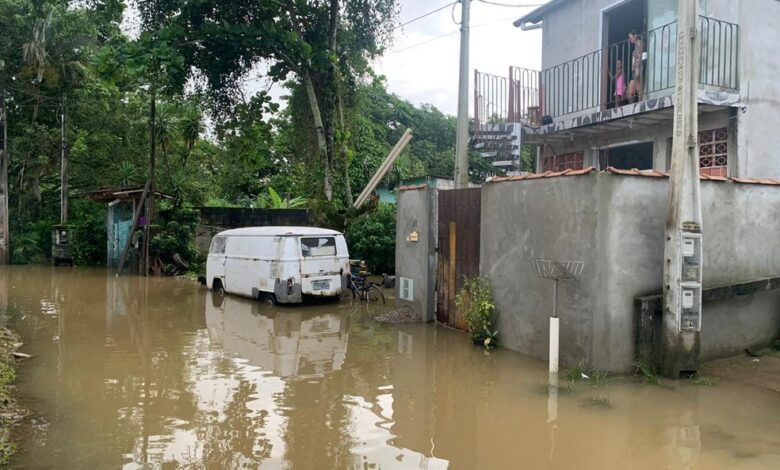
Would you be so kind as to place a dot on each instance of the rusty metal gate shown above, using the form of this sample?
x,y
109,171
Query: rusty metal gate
x,y
458,249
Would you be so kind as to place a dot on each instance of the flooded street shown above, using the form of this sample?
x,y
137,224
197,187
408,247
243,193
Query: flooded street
x,y
158,373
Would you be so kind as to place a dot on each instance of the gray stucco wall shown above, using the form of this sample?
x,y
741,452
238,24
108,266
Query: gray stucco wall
x,y
615,224
538,219
416,260
575,29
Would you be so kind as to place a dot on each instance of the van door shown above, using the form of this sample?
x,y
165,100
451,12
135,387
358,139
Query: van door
x,y
215,264
320,267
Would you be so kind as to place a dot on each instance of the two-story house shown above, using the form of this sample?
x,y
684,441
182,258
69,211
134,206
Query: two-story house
x,y
576,111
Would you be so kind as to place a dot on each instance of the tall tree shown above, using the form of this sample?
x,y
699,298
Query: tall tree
x,y
324,46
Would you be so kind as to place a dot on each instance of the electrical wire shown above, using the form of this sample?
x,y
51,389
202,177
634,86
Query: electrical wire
x,y
512,5
425,15
448,34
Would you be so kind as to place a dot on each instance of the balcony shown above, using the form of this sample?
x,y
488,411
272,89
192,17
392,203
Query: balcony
x,y
581,91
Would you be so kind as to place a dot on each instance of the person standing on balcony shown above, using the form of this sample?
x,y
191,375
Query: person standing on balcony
x,y
620,83
635,85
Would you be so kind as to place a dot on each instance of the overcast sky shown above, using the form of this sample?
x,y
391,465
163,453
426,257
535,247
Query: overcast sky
x,y
422,66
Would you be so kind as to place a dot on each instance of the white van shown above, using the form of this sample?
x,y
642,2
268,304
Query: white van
x,y
278,264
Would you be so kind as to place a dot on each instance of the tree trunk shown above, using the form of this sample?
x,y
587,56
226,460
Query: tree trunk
x,y
343,146
322,146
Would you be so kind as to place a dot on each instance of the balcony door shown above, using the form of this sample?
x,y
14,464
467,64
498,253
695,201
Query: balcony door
x,y
618,21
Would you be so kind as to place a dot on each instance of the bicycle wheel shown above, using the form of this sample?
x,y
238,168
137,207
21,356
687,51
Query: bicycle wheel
x,y
374,294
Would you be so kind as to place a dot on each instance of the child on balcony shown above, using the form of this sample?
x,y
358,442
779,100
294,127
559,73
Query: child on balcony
x,y
620,83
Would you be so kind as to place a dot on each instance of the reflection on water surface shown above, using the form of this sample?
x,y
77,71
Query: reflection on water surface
x,y
157,373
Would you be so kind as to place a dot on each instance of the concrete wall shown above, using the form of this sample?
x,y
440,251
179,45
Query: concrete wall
x,y
615,224
538,219
416,260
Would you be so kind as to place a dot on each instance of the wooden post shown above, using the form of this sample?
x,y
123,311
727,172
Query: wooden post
x,y
133,227
453,273
680,351
384,168
4,233
64,168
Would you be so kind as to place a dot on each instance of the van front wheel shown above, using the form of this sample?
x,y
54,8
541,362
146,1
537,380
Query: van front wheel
x,y
269,299
217,287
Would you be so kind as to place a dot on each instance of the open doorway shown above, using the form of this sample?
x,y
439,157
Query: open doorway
x,y
630,15
627,157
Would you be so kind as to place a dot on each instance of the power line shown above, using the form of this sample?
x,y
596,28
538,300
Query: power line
x,y
426,14
424,42
512,5
449,34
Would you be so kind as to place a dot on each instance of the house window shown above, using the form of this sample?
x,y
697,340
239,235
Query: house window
x,y
566,161
628,157
713,152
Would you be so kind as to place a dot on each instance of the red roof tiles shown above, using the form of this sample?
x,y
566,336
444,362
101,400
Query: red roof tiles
x,y
631,172
409,188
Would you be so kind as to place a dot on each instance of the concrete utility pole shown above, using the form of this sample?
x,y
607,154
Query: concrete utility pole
x,y
683,242
4,235
64,168
462,136
150,194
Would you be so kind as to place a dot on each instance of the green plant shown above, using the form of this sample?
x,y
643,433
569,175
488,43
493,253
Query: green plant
x,y
697,379
32,244
371,237
88,232
273,200
176,236
475,302
642,368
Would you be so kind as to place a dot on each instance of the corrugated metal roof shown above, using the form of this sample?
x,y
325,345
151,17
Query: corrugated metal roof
x,y
536,15
279,231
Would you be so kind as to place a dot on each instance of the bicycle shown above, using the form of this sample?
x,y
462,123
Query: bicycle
x,y
364,290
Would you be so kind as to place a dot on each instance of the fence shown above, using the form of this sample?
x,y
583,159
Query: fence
x,y
588,82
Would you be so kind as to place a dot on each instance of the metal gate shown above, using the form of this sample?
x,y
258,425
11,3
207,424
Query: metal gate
x,y
458,249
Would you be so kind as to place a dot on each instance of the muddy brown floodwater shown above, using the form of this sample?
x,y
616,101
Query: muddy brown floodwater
x,y
157,373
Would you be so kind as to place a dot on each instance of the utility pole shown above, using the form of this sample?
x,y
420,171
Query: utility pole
x,y
4,234
462,136
150,195
683,238
64,168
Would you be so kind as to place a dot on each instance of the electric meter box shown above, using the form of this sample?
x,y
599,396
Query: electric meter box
x,y
690,306
691,257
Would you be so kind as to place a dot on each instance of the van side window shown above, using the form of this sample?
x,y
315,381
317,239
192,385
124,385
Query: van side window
x,y
320,246
218,245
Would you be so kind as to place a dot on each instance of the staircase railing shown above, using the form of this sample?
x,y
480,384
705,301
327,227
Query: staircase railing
x,y
501,100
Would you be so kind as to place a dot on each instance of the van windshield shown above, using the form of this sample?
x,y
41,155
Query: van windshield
x,y
319,246
218,245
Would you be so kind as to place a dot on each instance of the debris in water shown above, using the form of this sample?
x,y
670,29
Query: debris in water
x,y
398,316
20,355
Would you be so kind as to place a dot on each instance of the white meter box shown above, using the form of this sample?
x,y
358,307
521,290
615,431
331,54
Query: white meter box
x,y
690,307
691,257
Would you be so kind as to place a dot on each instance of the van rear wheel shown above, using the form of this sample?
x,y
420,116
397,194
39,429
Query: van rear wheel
x,y
268,299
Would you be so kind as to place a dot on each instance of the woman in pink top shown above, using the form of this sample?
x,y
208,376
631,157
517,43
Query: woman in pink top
x,y
620,83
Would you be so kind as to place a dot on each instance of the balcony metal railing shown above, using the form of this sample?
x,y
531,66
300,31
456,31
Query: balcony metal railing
x,y
588,82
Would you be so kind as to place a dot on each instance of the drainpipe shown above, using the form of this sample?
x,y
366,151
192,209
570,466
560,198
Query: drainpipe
x,y
530,26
